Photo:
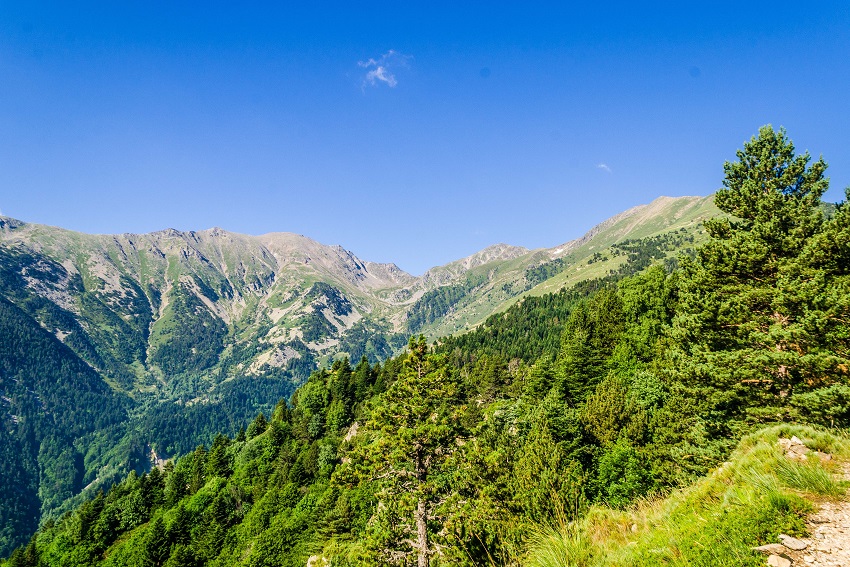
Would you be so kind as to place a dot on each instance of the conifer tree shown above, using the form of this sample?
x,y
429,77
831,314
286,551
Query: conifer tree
x,y
414,430
218,461
197,475
738,332
156,546
179,531
257,426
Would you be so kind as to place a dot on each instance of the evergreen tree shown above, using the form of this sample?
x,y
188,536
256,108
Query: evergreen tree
x,y
182,556
218,461
414,428
590,336
197,475
742,340
180,529
156,546
257,426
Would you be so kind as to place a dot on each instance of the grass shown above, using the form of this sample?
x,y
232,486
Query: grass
x,y
562,546
746,502
809,476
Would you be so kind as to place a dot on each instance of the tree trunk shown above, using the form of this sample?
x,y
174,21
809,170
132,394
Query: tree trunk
x,y
422,532
421,514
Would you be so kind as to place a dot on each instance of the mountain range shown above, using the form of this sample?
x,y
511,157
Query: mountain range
x,y
121,349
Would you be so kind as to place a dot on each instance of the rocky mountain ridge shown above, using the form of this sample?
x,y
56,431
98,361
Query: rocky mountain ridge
x,y
263,288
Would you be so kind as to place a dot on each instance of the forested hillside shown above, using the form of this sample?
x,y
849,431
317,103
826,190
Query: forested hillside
x,y
463,452
186,334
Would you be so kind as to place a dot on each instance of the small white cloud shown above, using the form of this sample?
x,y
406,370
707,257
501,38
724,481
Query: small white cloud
x,y
381,73
383,69
604,167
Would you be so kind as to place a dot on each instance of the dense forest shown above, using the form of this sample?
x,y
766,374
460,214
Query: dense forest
x,y
457,453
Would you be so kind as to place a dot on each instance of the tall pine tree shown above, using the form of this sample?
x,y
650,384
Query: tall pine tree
x,y
413,431
743,343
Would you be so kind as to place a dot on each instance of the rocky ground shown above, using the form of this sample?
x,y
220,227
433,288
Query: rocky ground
x,y
829,544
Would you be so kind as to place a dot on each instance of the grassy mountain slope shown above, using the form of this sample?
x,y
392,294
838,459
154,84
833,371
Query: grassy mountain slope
x,y
668,225
749,501
235,304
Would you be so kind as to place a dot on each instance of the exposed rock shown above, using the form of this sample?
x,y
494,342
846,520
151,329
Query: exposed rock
x,y
794,448
792,542
771,549
352,431
778,561
829,544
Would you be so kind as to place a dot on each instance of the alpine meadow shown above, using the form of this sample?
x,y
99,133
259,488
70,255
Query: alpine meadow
x,y
672,388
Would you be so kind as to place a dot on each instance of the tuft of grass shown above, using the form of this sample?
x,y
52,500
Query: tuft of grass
x,y
565,546
809,476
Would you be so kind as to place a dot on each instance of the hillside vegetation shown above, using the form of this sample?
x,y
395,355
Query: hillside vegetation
x,y
181,335
534,438
754,497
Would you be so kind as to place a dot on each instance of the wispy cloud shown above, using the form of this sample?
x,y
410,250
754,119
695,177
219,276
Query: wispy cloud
x,y
383,69
604,167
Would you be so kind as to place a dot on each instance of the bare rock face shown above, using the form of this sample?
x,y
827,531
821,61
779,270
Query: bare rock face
x,y
796,450
829,543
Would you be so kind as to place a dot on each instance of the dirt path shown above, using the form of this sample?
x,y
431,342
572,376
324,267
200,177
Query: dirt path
x,y
829,544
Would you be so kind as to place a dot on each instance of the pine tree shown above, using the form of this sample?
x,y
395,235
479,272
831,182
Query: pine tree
x,y
257,426
156,546
413,433
180,529
197,476
218,461
182,556
740,333
590,336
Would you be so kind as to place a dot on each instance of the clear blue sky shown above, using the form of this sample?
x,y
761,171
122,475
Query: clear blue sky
x,y
408,132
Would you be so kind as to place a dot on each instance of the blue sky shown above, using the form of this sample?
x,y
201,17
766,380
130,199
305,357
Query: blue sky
x,y
409,132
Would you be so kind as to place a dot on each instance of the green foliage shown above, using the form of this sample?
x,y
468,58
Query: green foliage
x,y
373,341
810,477
590,335
57,401
411,433
542,272
571,410
316,326
437,302
623,475
188,337
828,406
642,253
527,332
564,546
331,296
716,521
756,300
